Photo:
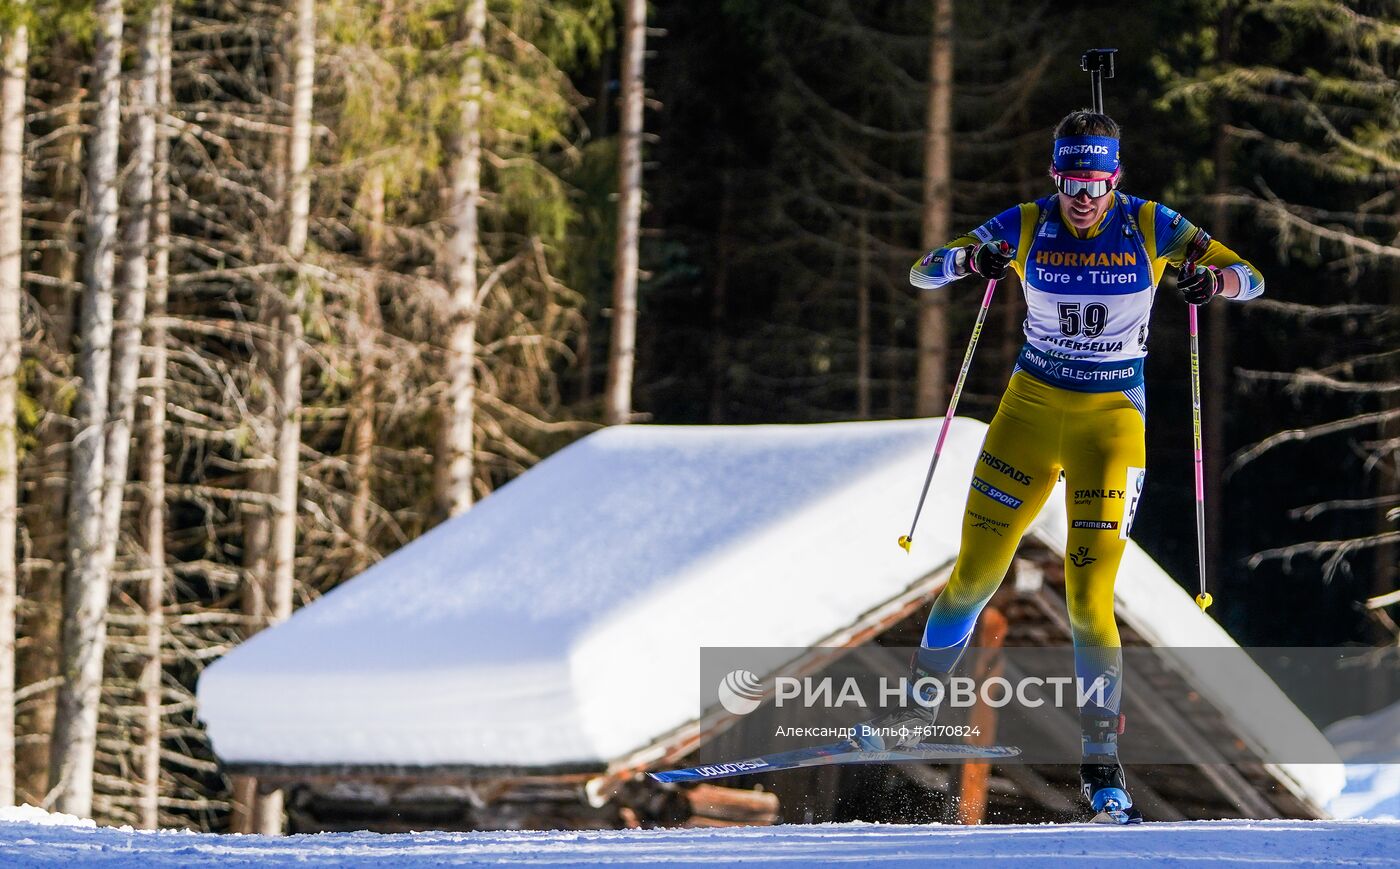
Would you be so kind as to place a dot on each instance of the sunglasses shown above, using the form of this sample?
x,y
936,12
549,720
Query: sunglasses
x,y
1072,186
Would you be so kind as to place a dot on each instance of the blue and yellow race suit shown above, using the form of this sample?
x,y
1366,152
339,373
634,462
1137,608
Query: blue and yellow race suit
x,y
1075,403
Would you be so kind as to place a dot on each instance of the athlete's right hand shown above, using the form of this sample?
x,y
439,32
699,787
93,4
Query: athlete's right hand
x,y
989,259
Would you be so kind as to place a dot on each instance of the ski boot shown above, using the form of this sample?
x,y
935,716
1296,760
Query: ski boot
x,y
910,724
1101,775
896,729
1101,780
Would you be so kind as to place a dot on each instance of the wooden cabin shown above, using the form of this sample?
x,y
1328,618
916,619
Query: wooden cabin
x,y
521,666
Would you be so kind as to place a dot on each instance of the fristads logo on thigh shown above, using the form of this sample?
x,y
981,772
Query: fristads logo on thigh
x,y
1006,468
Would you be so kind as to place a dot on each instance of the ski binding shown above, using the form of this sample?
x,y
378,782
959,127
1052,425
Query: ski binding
x,y
1114,806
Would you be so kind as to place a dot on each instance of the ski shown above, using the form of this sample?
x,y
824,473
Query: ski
x,y
1117,816
832,754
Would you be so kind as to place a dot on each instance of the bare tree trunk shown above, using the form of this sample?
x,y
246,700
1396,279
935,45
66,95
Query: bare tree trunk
x,y
1012,300
895,376
863,316
47,511
155,53
133,278
257,544
584,363
290,331
16,60
458,431
604,99
719,300
362,411
623,351
601,104
289,338
257,517
937,208
74,745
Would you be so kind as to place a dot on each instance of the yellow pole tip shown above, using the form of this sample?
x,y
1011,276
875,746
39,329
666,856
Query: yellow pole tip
x,y
905,542
1204,600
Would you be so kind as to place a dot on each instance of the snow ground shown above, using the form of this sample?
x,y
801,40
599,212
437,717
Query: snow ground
x,y
23,842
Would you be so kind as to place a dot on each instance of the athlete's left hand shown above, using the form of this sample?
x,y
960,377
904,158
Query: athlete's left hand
x,y
1200,284
989,259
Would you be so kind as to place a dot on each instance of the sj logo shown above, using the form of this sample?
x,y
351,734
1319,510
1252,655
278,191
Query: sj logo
x,y
1082,558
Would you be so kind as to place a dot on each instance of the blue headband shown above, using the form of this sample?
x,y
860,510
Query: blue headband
x,y
1086,153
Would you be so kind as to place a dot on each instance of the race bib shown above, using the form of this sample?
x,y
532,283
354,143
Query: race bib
x,y
1133,488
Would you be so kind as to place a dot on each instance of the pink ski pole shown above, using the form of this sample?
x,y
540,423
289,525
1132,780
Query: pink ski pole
x,y
1195,250
907,540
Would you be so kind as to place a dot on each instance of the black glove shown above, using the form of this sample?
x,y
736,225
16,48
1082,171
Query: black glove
x,y
1199,284
989,260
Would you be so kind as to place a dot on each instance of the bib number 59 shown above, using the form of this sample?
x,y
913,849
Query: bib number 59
x,y
1090,321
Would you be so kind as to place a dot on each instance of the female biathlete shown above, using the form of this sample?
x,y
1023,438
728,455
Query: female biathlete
x,y
1089,258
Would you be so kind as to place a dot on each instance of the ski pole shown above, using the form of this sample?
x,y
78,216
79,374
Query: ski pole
x,y
1195,250
907,540
1203,599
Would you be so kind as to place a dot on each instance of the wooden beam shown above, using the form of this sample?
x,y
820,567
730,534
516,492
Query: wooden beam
x,y
986,664
711,804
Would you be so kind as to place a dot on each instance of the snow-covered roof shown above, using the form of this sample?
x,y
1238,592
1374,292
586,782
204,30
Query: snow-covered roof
x,y
1370,745
560,621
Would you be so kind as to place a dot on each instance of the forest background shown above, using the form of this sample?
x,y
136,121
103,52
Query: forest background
x,y
284,284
